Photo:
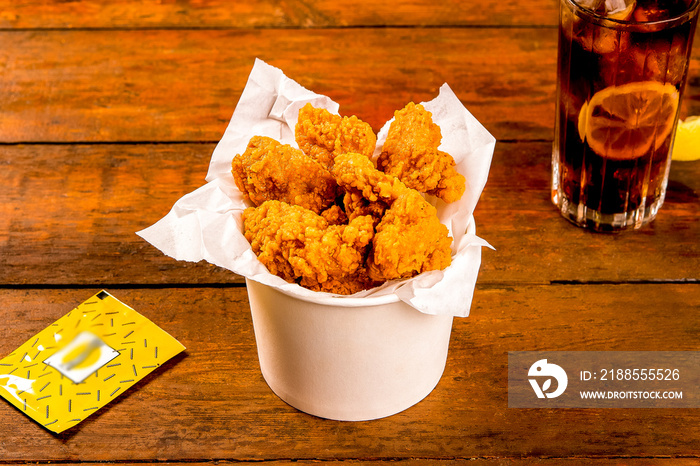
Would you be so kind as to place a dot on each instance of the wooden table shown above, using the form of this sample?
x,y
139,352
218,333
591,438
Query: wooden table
x,y
109,114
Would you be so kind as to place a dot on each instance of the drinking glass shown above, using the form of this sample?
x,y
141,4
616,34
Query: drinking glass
x,y
622,68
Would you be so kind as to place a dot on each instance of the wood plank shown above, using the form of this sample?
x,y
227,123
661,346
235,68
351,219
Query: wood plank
x,y
68,215
214,398
263,14
183,85
535,244
598,461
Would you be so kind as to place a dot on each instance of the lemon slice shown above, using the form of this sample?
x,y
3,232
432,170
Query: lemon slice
x,y
624,122
686,147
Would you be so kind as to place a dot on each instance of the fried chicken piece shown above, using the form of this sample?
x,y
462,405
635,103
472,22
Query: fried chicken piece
x,y
300,246
270,170
411,154
356,206
334,215
323,135
356,173
367,190
452,184
409,237
409,240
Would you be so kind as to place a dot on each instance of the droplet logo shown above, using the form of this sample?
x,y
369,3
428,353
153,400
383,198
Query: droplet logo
x,y
546,371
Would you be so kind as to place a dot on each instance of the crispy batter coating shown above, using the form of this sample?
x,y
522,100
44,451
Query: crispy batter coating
x,y
355,172
409,237
323,135
367,190
411,154
355,206
270,170
300,246
330,220
409,240
334,215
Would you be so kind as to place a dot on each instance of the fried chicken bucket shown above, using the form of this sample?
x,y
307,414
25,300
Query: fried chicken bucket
x,y
358,250
347,359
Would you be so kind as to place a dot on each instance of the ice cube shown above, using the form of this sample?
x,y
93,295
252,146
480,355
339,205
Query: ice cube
x,y
593,5
619,9
666,61
658,60
658,10
616,9
608,40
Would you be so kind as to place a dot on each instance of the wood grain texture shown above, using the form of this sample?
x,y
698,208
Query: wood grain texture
x,y
183,85
212,402
69,214
268,14
476,461
535,244
110,112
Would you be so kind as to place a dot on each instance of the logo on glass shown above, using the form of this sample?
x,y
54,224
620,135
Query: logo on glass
x,y
542,370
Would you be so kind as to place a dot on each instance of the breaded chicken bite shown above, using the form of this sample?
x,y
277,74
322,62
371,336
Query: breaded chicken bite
x,y
411,153
270,170
323,135
409,237
409,240
300,246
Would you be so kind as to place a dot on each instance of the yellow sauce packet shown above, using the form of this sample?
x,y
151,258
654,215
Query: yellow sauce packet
x,y
84,360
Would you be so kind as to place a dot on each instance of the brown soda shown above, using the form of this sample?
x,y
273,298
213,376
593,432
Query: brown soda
x,y
605,191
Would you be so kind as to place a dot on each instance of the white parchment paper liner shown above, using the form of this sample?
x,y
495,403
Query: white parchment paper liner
x,y
206,223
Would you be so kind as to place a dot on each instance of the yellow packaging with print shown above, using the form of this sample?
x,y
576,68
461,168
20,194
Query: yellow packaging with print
x,y
83,361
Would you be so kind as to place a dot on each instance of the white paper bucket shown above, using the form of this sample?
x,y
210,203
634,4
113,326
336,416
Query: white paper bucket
x,y
351,360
